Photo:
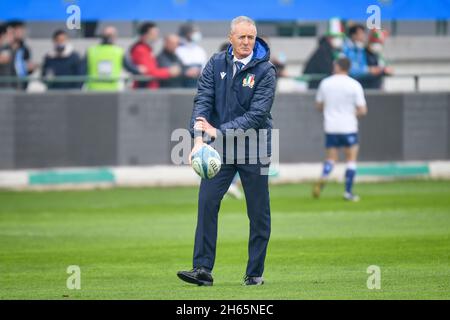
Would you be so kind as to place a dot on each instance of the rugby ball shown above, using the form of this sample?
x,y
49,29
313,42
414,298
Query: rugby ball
x,y
206,162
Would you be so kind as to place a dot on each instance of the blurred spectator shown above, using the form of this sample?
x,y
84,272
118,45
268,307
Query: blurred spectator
x,y
355,50
62,60
22,53
278,61
142,56
108,60
374,53
192,56
168,58
329,49
224,46
6,56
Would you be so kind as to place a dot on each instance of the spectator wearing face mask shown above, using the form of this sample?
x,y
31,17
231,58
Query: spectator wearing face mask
x,y
279,60
61,60
329,49
142,56
355,50
23,66
108,60
191,54
376,61
6,57
168,58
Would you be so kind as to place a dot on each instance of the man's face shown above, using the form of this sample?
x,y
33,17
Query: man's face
x,y
19,33
242,38
60,40
8,37
360,35
171,43
152,34
110,33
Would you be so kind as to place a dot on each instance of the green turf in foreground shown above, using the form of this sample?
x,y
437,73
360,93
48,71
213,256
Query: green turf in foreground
x,y
130,243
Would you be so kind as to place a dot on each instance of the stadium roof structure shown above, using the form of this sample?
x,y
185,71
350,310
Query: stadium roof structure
x,y
56,10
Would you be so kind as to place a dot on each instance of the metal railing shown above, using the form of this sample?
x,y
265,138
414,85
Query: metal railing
x,y
415,77
71,79
14,82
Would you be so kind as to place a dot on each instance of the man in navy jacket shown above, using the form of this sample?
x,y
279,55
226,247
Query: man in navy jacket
x,y
235,92
62,60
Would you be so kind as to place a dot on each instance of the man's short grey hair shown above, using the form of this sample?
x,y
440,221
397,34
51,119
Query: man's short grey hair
x,y
241,19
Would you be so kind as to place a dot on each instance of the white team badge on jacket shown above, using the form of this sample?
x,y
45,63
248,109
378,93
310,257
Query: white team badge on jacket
x,y
223,74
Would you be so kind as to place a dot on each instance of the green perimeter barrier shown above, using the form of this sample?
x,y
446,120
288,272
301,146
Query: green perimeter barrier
x,y
394,170
71,176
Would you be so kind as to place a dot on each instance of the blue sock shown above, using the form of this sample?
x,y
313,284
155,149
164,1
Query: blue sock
x,y
349,177
327,168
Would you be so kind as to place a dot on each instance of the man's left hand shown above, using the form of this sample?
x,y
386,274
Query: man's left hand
x,y
203,125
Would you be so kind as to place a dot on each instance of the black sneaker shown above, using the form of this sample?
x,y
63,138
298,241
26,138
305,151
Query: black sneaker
x,y
253,281
199,276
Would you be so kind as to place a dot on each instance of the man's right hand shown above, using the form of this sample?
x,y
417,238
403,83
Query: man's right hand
x,y
142,69
175,71
361,111
192,72
375,71
388,71
197,145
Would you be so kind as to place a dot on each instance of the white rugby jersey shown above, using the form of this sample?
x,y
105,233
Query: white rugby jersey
x,y
340,95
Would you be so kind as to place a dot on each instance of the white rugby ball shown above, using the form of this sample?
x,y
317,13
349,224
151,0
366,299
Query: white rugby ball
x,y
206,162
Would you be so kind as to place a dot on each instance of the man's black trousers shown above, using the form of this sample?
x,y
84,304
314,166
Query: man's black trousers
x,y
256,189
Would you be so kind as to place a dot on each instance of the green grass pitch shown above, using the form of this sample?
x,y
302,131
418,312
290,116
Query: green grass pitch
x,y
129,243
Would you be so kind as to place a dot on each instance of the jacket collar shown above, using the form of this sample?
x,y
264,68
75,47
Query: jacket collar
x,y
245,60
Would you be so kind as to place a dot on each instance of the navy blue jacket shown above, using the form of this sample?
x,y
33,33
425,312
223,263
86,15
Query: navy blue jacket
x,y
66,64
243,102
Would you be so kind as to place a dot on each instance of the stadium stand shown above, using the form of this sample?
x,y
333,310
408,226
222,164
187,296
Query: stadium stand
x,y
409,56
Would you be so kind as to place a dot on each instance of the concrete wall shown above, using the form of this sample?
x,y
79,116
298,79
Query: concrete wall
x,y
71,129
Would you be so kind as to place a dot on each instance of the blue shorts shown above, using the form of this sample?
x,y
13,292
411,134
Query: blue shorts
x,y
340,140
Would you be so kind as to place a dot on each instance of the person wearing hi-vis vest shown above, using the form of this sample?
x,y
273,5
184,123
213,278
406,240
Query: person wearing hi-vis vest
x,y
105,63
